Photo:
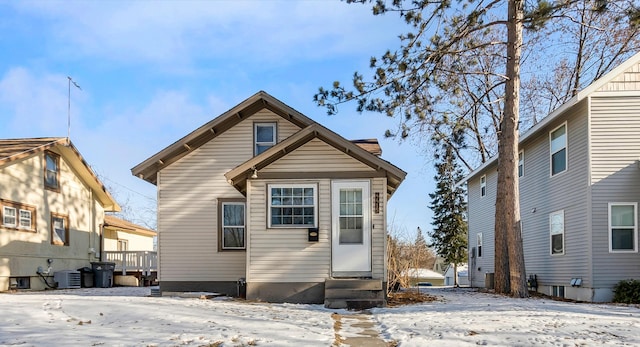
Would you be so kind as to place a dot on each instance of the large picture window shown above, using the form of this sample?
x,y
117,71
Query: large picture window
x,y
59,229
265,136
232,229
52,171
14,215
558,149
292,205
556,231
623,227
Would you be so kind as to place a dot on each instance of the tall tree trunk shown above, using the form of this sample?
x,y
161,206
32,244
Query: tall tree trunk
x,y
455,275
508,167
509,260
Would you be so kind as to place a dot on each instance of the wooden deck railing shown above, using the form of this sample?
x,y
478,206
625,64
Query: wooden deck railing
x,y
144,262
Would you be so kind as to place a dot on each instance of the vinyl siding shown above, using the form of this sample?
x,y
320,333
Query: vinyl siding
x,y
135,242
615,178
315,156
188,193
538,190
566,191
286,255
21,252
481,220
628,80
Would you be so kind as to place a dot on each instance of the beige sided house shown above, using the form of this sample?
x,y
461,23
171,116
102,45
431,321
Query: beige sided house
x,y
51,210
579,177
131,248
264,194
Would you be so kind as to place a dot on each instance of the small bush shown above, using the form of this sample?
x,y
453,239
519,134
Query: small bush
x,y
627,292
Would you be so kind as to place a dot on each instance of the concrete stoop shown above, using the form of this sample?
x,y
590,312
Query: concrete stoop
x,y
354,294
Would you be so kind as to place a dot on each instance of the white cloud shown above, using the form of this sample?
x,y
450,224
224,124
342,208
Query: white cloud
x,y
174,34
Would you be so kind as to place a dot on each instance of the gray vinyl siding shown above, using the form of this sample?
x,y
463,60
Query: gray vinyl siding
x,y
188,191
481,220
541,194
615,178
629,80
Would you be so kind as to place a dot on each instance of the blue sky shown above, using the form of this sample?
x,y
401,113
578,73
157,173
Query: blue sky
x,y
153,71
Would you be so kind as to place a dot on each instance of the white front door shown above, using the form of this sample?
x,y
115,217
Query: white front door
x,y
350,228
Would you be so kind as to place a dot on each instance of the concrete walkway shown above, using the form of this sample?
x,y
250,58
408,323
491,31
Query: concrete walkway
x,y
357,330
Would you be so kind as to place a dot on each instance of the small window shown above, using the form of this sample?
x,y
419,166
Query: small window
x,y
558,146
123,245
557,291
9,217
483,185
479,245
232,225
52,171
59,229
292,205
556,227
623,227
17,216
521,164
265,136
20,283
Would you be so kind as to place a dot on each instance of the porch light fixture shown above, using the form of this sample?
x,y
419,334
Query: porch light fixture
x,y
255,173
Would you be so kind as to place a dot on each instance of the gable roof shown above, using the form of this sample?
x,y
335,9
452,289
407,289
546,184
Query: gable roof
x,y
148,169
113,222
363,150
239,175
558,112
12,150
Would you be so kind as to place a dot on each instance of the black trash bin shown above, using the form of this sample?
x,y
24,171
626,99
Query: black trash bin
x,y
86,275
103,274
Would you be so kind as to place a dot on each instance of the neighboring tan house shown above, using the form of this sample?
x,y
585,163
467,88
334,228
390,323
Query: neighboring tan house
x,y
264,194
579,192
51,209
122,235
132,248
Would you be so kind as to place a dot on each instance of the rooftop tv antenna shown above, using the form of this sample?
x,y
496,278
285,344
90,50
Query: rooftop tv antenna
x,y
69,108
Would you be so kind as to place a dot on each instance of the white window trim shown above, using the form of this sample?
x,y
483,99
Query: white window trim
x,y
521,162
566,152
483,186
293,185
479,244
15,217
274,125
564,246
19,220
635,227
244,225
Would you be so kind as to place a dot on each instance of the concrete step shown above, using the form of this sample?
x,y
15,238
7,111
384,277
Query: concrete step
x,y
353,294
353,283
353,304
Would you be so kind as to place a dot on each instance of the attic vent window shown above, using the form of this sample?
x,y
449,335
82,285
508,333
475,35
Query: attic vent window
x,y
264,135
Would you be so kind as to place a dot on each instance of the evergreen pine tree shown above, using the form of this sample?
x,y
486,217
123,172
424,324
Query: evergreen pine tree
x,y
449,235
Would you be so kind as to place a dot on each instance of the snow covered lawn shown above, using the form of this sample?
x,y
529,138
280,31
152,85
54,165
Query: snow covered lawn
x,y
129,317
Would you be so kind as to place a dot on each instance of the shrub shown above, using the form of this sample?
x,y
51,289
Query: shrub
x,y
627,291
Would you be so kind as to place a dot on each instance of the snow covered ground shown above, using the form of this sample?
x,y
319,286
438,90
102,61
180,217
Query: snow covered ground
x,y
129,317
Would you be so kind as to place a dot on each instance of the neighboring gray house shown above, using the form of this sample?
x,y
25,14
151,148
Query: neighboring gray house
x,y
579,192
264,194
